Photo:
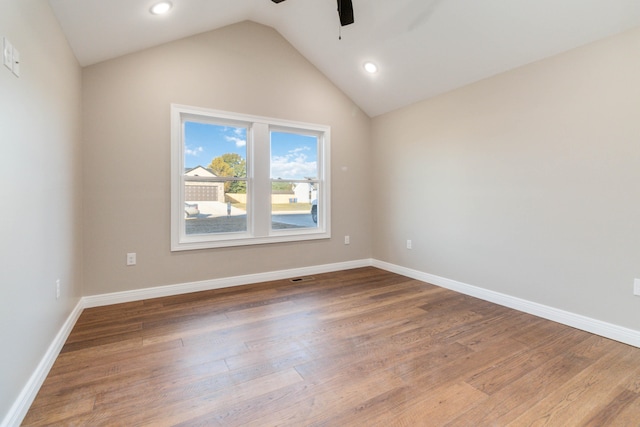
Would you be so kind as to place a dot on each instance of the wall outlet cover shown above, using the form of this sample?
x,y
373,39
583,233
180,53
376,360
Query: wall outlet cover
x,y
131,258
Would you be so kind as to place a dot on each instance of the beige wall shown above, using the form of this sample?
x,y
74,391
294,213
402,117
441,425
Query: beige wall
x,y
39,191
527,183
245,68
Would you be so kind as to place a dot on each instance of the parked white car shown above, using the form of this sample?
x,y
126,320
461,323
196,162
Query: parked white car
x,y
314,210
191,209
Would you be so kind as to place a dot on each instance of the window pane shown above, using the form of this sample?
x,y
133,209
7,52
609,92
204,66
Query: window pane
x,y
215,172
293,204
294,174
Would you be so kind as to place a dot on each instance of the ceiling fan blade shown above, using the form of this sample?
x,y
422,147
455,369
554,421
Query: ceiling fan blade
x,y
345,11
422,17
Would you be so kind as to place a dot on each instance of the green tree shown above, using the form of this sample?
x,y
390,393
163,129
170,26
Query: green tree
x,y
232,165
282,186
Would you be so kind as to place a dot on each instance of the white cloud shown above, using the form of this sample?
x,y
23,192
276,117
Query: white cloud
x,y
193,152
240,139
293,165
300,149
240,142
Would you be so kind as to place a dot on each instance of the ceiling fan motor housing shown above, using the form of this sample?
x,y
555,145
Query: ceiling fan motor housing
x,y
345,11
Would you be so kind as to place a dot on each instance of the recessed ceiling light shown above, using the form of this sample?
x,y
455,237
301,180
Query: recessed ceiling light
x,y
370,67
160,8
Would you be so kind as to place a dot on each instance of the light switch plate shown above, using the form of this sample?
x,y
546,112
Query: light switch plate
x,y
636,287
7,53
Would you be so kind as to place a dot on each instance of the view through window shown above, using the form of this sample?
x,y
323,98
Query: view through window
x,y
294,180
215,178
240,179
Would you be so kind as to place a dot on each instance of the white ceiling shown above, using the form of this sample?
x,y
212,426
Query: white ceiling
x,y
422,47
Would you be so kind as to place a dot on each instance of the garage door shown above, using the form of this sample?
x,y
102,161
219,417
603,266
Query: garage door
x,y
201,193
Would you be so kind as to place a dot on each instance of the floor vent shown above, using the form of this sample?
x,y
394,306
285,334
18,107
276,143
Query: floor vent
x,y
303,279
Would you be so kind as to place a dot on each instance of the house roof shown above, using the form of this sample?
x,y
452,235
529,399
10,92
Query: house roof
x,y
422,47
199,171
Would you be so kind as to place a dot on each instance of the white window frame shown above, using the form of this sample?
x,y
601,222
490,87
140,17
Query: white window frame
x,y
258,180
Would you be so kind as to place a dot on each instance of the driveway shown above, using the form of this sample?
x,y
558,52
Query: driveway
x,y
206,224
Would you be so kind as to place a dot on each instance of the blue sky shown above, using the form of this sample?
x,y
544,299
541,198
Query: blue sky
x,y
293,156
204,142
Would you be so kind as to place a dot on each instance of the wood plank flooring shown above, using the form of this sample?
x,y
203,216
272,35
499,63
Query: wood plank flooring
x,y
361,347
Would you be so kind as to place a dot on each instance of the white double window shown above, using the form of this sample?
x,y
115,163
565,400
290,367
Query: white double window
x,y
244,180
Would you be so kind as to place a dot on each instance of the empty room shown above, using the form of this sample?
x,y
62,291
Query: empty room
x,y
319,212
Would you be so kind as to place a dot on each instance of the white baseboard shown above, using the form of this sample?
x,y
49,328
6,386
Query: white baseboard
x,y
206,285
598,327
20,407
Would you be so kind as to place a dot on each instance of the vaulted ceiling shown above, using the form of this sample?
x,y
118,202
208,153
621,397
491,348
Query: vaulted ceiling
x,y
422,47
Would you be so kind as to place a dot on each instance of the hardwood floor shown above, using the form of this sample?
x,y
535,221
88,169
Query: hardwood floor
x,y
361,347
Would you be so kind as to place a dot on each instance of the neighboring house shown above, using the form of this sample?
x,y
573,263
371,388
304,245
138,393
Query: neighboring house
x,y
202,190
305,192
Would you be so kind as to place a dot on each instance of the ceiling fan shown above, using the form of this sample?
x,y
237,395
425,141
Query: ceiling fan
x,y
345,11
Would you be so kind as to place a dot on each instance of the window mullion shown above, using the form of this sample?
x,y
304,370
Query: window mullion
x,y
260,180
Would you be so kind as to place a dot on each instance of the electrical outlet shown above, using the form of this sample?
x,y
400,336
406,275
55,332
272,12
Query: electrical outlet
x,y
131,258
636,287
347,240
58,289
409,244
